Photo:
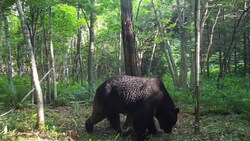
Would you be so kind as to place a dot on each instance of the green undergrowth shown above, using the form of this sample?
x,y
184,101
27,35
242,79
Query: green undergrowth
x,y
233,97
11,95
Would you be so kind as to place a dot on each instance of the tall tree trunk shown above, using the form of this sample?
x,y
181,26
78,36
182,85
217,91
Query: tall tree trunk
x,y
183,38
78,46
52,56
197,65
47,65
245,53
47,68
9,56
222,43
42,56
128,38
192,69
40,114
91,50
73,59
1,25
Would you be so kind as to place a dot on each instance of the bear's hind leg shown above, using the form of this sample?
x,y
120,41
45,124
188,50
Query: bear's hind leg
x,y
98,115
89,124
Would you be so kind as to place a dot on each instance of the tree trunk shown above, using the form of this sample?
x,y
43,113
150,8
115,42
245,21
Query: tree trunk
x,y
183,39
151,59
197,65
40,114
47,66
246,56
91,50
128,38
52,56
19,60
120,56
222,43
42,56
9,56
245,53
78,53
1,32
1,24
235,61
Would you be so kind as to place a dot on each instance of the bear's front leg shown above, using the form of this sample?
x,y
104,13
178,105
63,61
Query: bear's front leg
x,y
151,127
114,120
140,126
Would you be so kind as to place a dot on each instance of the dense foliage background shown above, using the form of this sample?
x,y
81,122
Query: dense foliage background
x,y
165,45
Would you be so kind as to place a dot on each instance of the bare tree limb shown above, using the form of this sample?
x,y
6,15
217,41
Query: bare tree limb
x,y
211,36
85,17
228,53
138,9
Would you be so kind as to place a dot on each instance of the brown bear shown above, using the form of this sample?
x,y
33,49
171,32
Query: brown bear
x,y
140,98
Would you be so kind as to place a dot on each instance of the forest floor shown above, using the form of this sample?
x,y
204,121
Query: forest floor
x,y
67,123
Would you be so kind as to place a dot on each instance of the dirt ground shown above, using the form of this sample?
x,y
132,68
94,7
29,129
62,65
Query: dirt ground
x,y
67,123
212,126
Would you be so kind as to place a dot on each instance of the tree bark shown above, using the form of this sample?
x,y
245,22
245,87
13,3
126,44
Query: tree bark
x,y
91,50
9,56
197,65
40,115
52,56
128,38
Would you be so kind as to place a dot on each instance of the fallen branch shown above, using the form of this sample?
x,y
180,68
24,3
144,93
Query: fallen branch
x,y
80,102
6,113
34,88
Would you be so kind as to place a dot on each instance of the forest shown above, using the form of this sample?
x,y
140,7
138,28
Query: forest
x,y
54,54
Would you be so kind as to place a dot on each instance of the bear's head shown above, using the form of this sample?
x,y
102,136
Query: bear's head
x,y
167,118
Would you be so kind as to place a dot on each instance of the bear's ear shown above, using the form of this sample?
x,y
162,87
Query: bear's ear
x,y
177,110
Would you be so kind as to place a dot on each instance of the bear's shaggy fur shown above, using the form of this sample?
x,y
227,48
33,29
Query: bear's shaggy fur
x,y
140,98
